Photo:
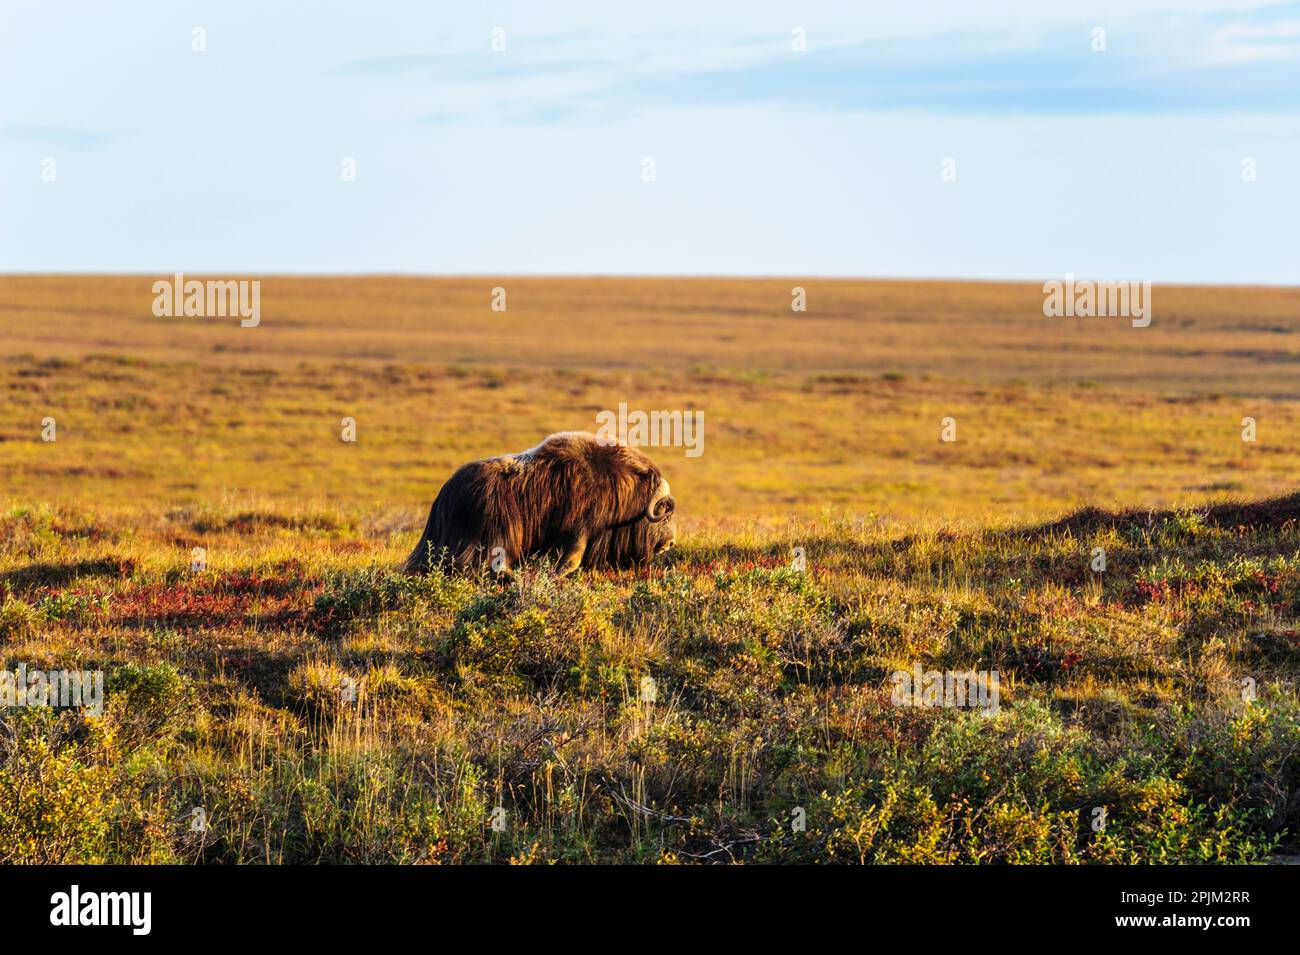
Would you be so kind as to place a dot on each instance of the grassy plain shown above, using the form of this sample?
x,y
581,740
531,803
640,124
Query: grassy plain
x,y
1120,689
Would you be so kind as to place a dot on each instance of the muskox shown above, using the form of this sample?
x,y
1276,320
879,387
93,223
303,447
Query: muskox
x,y
590,504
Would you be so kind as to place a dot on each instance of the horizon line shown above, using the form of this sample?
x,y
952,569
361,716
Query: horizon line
x,y
639,276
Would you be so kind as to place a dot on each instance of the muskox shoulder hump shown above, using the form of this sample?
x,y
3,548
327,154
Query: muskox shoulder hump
x,y
558,444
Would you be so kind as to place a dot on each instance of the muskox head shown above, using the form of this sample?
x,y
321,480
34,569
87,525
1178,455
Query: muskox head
x,y
587,503
638,541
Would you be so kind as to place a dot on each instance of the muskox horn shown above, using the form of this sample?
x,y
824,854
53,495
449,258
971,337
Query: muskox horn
x,y
661,506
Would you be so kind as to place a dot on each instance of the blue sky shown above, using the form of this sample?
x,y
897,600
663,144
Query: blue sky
x,y
1125,163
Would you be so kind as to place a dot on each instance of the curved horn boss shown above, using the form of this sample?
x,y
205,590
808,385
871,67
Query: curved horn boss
x,y
662,505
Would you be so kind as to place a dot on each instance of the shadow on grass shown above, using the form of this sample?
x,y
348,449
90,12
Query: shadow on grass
x,y
1272,512
60,575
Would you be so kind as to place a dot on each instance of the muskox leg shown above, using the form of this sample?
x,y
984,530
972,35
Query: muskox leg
x,y
572,558
500,558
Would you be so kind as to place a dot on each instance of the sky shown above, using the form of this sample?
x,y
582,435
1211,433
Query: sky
x,y
952,138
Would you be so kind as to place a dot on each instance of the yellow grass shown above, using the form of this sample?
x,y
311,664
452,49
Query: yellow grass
x,y
837,409
1121,687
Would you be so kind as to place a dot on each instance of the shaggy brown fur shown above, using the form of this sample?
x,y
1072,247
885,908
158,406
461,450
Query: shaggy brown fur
x,y
595,505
